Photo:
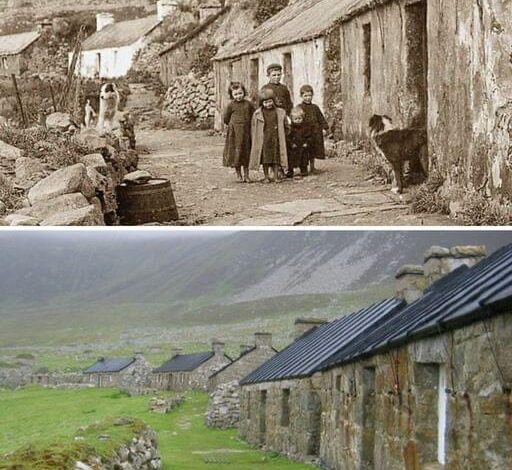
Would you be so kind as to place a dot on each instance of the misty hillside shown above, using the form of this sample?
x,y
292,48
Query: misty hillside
x,y
60,270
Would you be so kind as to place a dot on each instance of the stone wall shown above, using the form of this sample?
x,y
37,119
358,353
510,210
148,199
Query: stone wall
x,y
446,398
190,99
224,406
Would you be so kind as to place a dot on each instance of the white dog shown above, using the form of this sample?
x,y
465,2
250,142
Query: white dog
x,y
109,103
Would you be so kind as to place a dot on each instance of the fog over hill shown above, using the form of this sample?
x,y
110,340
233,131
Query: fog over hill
x,y
56,270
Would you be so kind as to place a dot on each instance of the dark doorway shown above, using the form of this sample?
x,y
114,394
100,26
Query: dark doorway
x,y
263,416
315,423
368,447
254,79
417,60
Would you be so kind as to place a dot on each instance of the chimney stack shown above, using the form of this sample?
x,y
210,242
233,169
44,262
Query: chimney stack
x,y
263,340
165,8
303,325
410,283
176,352
103,20
440,261
138,356
218,347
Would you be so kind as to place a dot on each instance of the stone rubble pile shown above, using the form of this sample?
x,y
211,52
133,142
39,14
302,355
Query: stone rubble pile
x,y
191,99
224,406
79,194
140,454
147,60
165,405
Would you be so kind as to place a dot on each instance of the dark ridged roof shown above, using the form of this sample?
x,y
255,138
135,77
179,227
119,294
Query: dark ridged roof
x,y
106,365
184,362
463,297
303,357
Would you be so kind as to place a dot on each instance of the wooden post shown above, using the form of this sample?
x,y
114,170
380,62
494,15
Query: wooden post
x,y
52,94
18,97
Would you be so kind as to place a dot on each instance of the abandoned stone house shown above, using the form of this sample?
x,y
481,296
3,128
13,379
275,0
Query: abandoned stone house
x,y
15,52
111,50
177,59
251,357
427,385
190,371
441,66
125,372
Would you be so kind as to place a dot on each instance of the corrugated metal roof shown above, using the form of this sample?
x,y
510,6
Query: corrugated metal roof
x,y
110,365
301,21
15,43
121,34
184,362
303,357
454,301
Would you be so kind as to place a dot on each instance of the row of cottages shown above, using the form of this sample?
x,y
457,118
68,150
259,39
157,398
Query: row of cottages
x,y
119,372
190,371
15,52
440,65
111,50
250,358
422,380
177,59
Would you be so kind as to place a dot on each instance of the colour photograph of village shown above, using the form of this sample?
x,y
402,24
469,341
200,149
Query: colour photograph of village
x,y
255,350
255,112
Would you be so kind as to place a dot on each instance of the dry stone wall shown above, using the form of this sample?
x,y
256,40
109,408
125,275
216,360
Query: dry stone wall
x,y
224,406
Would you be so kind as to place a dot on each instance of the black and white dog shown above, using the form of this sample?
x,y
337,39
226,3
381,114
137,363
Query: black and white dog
x,y
109,106
399,146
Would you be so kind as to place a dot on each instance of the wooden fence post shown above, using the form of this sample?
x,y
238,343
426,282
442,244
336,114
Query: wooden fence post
x,y
20,104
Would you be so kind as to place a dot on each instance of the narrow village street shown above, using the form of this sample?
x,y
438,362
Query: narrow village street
x,y
207,193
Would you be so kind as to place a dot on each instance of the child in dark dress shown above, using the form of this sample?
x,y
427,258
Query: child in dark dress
x,y
237,117
299,143
282,95
314,118
269,129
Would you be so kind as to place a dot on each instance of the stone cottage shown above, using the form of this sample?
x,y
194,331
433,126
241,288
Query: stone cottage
x,y
251,357
15,51
190,371
111,50
442,67
427,387
130,373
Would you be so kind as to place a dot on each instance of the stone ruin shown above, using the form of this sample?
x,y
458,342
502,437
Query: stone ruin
x,y
165,405
224,406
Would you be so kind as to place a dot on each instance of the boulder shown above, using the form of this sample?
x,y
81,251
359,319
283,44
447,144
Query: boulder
x,y
61,122
99,181
91,138
21,220
72,179
29,171
137,177
85,216
63,203
9,152
96,161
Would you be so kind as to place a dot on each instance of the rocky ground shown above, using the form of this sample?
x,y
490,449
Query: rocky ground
x,y
343,193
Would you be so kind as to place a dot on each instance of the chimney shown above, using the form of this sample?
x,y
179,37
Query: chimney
x,y
45,25
165,8
218,347
176,352
410,283
138,356
209,9
103,20
244,348
440,261
303,325
263,340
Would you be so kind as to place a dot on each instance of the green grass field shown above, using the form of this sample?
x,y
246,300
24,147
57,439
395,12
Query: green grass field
x,y
41,417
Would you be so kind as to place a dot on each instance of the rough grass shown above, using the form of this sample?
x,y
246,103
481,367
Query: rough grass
x,y
479,210
427,197
11,197
42,416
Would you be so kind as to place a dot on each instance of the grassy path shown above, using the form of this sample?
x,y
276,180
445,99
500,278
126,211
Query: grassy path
x,y
43,416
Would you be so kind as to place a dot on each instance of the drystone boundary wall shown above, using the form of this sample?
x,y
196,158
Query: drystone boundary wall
x,y
224,406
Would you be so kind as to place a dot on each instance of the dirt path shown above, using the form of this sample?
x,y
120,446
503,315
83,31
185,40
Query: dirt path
x,y
208,193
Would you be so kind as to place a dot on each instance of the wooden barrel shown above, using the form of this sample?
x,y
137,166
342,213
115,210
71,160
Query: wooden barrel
x,y
146,203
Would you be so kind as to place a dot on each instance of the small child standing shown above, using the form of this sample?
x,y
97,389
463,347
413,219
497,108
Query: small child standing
x,y
269,129
314,118
237,117
299,143
282,95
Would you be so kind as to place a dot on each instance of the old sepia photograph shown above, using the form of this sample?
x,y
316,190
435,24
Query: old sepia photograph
x,y
255,112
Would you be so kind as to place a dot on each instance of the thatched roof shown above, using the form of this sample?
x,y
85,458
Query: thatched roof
x,y
302,21
13,44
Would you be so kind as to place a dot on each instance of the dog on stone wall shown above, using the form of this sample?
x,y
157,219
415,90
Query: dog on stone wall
x,y
399,146
109,106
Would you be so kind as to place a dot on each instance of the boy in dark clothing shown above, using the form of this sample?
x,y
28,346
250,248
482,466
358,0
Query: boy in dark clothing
x,y
314,118
282,95
299,143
